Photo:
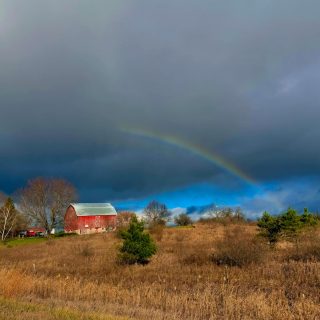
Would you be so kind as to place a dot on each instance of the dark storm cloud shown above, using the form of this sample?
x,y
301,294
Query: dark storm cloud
x,y
240,78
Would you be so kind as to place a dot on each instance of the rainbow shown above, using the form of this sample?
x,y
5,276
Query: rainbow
x,y
199,151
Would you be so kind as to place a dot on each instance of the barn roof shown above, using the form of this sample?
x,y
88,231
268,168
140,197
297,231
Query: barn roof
x,y
94,209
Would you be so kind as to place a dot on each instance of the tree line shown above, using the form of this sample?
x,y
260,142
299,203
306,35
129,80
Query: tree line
x,y
41,202
287,225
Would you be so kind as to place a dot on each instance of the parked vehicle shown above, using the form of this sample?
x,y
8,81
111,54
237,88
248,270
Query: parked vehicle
x,y
31,233
23,233
35,232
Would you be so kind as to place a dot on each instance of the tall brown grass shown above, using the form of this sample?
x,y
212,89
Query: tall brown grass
x,y
239,248
306,247
180,282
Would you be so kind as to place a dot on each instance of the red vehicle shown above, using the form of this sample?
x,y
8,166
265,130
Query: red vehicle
x,y
30,233
35,232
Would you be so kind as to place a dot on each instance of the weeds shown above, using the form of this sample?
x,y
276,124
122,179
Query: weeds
x,y
238,248
84,250
306,248
156,231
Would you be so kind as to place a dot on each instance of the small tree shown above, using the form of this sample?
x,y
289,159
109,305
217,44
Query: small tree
x,y
308,219
290,223
183,220
270,227
156,213
137,246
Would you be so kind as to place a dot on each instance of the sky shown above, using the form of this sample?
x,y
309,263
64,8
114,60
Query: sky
x,y
187,102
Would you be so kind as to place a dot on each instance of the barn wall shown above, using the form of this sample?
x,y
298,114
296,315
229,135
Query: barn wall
x,y
71,220
95,224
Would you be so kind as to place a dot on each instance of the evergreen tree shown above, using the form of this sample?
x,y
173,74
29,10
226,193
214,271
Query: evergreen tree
x,y
308,218
290,223
270,227
137,246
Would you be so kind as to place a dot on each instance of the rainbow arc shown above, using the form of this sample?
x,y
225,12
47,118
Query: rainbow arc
x,y
199,151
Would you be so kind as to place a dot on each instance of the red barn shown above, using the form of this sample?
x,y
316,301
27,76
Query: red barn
x,y
85,218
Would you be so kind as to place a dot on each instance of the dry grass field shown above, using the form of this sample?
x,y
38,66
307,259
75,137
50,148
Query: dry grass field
x,y
79,278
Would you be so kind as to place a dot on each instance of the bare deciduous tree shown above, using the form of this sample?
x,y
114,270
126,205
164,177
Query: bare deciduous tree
x,y
225,214
156,213
8,216
45,201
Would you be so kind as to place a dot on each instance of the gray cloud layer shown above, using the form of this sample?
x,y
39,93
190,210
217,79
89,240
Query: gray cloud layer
x,y
240,78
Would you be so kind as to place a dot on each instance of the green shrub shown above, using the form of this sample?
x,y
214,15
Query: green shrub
x,y
290,223
120,231
137,246
270,227
309,219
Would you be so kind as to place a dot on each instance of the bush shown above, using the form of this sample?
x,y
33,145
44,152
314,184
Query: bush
x,y
238,248
195,256
183,220
137,246
84,250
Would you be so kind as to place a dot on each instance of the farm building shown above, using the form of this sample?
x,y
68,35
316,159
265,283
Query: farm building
x,y
86,218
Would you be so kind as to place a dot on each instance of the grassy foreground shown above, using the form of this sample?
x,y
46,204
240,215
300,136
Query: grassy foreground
x,y
15,310
78,278
22,241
